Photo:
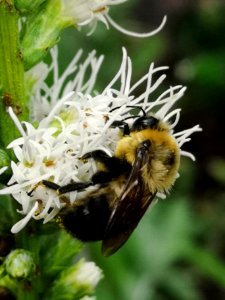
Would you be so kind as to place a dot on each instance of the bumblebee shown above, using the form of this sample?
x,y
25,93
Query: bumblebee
x,y
112,203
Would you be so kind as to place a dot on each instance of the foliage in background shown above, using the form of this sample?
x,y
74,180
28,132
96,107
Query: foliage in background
x,y
178,250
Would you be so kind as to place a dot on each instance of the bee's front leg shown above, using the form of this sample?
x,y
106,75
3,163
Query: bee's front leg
x,y
122,126
74,186
98,155
47,183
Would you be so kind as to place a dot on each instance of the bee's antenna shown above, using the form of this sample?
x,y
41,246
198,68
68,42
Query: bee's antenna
x,y
138,107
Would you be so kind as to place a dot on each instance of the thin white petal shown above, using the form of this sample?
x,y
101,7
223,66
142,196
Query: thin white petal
x,y
16,121
132,33
22,223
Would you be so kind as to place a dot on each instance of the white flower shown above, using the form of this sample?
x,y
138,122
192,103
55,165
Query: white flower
x,y
84,273
45,97
80,279
78,123
89,12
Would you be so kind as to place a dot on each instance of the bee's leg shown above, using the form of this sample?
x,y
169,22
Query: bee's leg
x,y
74,186
46,183
112,169
30,193
97,155
51,185
121,125
98,178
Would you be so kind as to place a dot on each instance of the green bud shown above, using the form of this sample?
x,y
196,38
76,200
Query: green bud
x,y
77,281
26,6
42,32
19,264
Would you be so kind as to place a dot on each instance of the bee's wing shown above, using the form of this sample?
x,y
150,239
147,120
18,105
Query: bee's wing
x,y
129,208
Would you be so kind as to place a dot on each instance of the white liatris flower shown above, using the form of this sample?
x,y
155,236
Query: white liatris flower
x,y
83,75
53,16
78,123
91,11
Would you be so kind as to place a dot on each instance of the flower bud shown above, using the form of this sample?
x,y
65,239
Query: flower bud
x,y
42,32
77,281
84,274
42,29
19,263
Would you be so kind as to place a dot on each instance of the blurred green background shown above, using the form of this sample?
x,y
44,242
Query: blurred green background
x,y
178,250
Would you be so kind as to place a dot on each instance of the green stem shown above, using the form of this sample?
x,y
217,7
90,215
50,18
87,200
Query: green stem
x,y
11,73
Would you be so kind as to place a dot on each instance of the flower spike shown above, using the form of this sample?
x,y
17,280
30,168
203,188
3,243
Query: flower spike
x,y
78,123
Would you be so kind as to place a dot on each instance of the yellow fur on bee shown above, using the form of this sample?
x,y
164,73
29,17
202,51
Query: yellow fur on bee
x,y
159,174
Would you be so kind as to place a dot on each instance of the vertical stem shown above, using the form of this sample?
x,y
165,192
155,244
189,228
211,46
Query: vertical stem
x,y
12,91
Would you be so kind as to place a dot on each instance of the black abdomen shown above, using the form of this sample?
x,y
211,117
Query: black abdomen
x,y
87,221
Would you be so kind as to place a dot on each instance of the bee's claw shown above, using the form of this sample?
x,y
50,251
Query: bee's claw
x,y
86,156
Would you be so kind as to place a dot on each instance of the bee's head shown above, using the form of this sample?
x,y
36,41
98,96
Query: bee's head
x,y
145,122
149,122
